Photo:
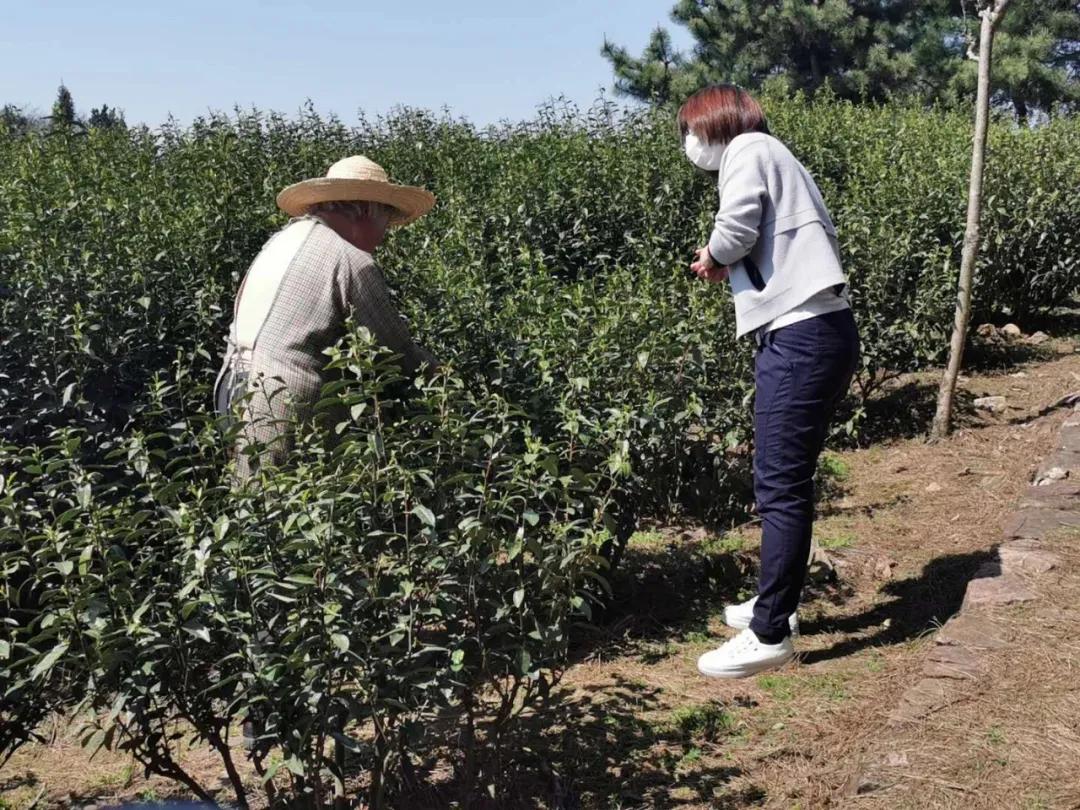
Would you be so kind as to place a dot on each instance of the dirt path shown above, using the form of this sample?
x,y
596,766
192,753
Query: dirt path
x,y
906,524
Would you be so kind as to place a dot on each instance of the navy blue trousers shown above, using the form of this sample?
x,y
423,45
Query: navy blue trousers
x,y
801,373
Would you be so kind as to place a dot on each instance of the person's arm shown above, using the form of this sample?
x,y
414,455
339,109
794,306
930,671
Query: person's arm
x,y
363,288
738,219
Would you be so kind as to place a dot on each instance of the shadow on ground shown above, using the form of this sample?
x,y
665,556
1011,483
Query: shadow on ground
x,y
663,593
1061,322
597,747
990,356
918,605
904,411
16,782
612,745
996,354
594,747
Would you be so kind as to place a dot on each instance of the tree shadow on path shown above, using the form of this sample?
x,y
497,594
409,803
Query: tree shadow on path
x,y
918,605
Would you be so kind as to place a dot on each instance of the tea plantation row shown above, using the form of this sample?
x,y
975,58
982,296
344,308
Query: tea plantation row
x,y
409,593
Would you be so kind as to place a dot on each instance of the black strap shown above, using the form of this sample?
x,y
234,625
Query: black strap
x,y
755,274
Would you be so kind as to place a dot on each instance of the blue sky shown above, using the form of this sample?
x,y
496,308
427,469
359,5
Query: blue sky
x,y
483,59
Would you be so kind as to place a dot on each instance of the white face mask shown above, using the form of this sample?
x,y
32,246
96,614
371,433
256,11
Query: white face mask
x,y
703,155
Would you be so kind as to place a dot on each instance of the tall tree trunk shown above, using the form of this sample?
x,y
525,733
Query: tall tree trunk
x,y
943,417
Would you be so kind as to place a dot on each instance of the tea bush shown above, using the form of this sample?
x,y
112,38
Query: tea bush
x,y
422,575
414,583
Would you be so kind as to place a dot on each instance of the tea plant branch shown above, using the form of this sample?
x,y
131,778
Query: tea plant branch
x,y
874,382
259,626
991,18
163,765
218,744
378,793
212,726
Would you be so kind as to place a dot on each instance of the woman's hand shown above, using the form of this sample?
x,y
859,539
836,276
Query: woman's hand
x,y
705,268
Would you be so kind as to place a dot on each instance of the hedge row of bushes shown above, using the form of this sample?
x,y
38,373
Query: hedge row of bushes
x,y
416,585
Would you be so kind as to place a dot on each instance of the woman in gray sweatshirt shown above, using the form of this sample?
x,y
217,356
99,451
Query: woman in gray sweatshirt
x,y
774,242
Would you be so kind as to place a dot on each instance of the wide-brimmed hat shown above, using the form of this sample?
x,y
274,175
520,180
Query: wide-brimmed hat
x,y
356,178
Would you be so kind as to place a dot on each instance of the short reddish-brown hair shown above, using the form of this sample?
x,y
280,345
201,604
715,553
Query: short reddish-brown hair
x,y
720,113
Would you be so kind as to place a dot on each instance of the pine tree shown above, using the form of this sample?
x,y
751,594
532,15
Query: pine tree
x,y
862,50
651,77
63,111
105,118
13,120
1036,58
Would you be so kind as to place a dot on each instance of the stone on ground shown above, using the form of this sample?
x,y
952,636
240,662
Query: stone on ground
x,y
992,404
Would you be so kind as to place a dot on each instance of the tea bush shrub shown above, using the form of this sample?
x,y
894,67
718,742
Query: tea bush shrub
x,y
423,575
416,582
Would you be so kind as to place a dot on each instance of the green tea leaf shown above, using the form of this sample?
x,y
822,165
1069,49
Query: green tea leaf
x,y
221,528
43,666
426,516
197,629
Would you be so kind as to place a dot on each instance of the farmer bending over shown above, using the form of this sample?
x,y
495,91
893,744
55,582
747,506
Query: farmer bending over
x,y
296,296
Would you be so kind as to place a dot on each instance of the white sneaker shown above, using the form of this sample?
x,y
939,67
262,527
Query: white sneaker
x,y
739,616
744,656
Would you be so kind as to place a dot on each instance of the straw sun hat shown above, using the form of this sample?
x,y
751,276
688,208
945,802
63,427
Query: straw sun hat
x,y
357,178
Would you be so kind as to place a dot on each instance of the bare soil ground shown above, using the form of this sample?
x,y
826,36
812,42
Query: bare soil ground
x,y
906,524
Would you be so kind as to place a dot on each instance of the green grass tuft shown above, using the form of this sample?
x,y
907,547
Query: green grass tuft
x,y
836,542
725,544
833,467
831,686
646,538
707,721
781,687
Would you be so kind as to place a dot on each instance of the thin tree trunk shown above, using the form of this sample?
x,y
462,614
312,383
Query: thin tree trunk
x,y
943,417
377,799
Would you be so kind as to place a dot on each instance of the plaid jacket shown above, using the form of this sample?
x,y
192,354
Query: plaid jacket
x,y
326,280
